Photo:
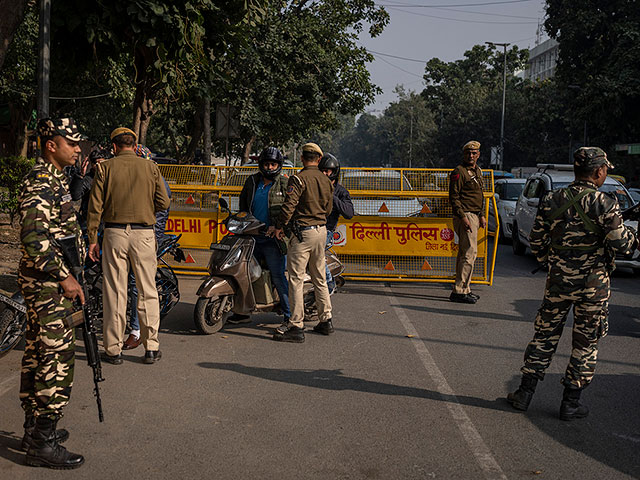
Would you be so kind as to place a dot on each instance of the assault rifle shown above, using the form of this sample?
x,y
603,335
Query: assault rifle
x,y
632,213
73,259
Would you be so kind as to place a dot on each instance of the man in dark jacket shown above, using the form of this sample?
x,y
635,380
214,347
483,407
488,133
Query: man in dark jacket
x,y
263,195
342,204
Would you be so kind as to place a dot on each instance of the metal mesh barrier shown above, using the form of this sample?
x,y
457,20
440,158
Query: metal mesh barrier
x,y
402,212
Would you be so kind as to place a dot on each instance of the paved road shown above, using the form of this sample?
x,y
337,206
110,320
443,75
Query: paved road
x,y
411,386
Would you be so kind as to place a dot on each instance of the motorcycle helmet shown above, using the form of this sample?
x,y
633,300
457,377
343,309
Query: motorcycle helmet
x,y
329,162
270,154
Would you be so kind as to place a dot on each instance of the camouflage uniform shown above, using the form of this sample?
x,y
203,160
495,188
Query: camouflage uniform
x,y
46,212
579,252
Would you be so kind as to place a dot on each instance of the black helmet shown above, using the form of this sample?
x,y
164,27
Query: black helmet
x,y
270,154
329,162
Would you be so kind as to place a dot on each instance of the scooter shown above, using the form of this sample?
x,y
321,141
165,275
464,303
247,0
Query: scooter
x,y
236,280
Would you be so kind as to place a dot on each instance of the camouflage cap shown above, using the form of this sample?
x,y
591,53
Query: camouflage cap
x,y
121,130
64,127
472,145
142,151
312,148
590,157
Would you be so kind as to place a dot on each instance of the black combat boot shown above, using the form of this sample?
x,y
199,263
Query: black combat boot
x,y
324,328
521,398
45,451
571,408
29,424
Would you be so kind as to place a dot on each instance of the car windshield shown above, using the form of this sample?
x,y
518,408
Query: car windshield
x,y
511,191
624,199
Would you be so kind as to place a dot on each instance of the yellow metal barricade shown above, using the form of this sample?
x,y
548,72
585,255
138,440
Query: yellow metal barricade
x,y
402,231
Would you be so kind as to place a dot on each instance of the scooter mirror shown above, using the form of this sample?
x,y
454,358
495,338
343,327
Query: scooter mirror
x,y
223,203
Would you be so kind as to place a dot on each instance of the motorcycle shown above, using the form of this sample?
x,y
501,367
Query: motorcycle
x,y
13,319
236,280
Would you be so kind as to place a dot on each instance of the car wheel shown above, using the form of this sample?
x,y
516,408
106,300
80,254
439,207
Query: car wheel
x,y
516,244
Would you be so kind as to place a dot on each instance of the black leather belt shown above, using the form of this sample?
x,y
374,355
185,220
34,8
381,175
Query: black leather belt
x,y
302,229
134,226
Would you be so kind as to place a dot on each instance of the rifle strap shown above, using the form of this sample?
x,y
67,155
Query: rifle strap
x,y
588,223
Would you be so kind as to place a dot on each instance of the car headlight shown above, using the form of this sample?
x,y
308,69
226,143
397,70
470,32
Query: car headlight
x,y
510,211
233,258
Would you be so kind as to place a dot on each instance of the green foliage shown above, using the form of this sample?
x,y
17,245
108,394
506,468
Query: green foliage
x,y
300,69
599,60
12,172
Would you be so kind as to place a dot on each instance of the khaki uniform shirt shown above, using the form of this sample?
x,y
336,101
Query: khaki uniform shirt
x,y
126,189
309,198
465,191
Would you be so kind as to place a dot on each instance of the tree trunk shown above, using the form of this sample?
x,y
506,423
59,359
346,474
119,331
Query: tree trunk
x,y
143,100
247,149
10,20
206,126
196,132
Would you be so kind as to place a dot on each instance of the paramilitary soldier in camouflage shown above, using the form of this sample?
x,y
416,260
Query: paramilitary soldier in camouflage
x,y
577,233
47,213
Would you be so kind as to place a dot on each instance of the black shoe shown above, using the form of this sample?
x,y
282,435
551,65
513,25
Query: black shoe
x,y
521,398
571,408
461,298
237,319
113,359
325,328
62,435
474,296
45,451
152,356
293,334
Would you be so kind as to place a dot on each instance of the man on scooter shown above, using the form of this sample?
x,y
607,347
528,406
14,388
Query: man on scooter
x,y
263,195
342,205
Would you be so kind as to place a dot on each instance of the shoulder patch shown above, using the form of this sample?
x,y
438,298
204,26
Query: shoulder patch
x,y
455,176
290,189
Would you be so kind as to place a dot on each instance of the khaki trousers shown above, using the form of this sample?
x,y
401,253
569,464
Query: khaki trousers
x,y
467,252
137,248
308,252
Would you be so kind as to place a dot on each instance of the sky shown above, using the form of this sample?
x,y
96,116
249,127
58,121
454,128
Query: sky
x,y
419,30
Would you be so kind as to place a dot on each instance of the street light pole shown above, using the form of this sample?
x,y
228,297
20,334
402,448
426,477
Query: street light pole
x,y
410,134
504,98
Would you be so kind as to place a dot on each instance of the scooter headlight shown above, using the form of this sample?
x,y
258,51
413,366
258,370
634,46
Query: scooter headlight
x,y
233,258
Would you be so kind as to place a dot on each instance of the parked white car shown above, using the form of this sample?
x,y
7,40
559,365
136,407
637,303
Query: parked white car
x,y
507,192
552,176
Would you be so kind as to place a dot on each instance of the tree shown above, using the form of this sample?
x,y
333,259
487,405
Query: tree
x,y
170,46
11,18
301,69
599,58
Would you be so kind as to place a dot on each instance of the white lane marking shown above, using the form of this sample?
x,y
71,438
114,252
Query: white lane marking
x,y
476,444
8,384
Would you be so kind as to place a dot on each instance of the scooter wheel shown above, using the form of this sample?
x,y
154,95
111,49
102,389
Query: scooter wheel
x,y
208,316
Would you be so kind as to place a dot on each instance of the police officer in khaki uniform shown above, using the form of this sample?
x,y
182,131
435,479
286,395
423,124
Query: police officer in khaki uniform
x,y
127,192
309,201
467,202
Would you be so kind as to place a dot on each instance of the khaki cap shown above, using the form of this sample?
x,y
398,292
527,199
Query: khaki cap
x,y
121,130
312,148
472,145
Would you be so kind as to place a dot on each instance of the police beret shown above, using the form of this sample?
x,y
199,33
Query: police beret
x,y
312,148
121,130
64,127
590,157
472,145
